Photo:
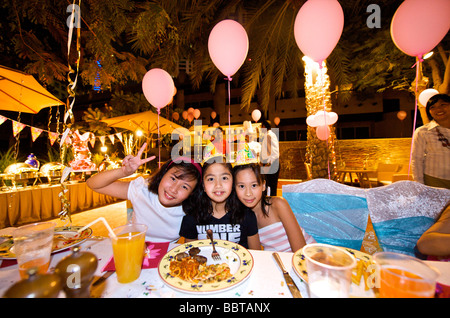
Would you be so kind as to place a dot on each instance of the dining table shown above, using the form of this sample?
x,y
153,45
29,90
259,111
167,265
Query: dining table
x,y
265,281
356,176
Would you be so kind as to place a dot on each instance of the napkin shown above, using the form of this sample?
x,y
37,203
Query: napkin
x,y
153,254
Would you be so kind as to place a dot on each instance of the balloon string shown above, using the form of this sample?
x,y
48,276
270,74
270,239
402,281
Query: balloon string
x,y
159,143
417,64
325,117
229,110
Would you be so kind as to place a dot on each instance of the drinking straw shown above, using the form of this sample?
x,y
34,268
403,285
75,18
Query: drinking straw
x,y
104,222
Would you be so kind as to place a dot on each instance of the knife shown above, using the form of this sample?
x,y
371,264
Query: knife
x,y
103,278
289,282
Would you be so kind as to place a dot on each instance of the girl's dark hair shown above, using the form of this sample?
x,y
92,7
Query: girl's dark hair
x,y
256,168
202,209
185,171
433,100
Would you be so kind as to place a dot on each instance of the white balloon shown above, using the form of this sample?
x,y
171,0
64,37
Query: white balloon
x,y
256,114
426,95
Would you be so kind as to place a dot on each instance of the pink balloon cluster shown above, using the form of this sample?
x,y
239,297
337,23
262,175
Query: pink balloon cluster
x,y
158,88
321,120
318,28
418,25
228,46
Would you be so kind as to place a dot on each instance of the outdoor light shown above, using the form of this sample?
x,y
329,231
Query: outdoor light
x,y
429,54
139,133
104,149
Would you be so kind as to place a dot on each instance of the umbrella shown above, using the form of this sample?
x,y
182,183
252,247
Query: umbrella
x,y
145,121
20,92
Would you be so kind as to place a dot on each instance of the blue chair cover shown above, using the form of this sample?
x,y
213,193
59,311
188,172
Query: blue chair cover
x,y
336,219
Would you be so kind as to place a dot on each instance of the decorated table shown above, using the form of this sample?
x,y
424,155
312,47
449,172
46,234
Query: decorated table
x,y
42,202
265,280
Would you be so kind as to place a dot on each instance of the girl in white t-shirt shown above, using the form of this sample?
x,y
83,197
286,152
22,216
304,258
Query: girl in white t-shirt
x,y
158,201
277,226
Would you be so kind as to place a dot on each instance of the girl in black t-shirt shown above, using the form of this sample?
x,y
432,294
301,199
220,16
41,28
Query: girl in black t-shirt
x,y
217,208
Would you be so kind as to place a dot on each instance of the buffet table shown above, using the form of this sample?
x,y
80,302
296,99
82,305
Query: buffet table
x,y
266,279
33,204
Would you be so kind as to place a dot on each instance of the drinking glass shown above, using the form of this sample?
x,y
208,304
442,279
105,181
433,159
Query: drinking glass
x,y
33,247
403,276
329,270
128,249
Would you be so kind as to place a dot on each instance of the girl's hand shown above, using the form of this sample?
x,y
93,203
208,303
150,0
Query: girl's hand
x,y
130,164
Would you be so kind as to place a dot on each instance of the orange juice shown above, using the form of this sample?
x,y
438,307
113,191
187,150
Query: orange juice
x,y
128,252
400,283
41,264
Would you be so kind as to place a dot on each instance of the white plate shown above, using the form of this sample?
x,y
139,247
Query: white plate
x,y
65,237
238,258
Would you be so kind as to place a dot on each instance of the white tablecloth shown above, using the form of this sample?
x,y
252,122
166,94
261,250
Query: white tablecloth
x,y
266,280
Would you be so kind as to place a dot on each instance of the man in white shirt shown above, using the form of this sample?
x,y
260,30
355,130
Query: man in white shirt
x,y
270,156
431,146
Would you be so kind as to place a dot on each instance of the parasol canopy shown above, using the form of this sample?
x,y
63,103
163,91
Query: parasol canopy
x,y
146,121
20,92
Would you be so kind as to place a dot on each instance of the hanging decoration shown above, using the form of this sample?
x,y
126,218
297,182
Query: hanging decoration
x,y
416,28
17,127
97,81
74,21
35,132
159,89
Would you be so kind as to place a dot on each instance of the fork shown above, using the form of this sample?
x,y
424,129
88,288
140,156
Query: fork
x,y
214,254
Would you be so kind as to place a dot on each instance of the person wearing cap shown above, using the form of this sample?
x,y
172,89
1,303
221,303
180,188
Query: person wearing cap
x,y
431,146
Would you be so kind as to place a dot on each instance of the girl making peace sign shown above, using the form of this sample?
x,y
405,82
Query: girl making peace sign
x,y
158,201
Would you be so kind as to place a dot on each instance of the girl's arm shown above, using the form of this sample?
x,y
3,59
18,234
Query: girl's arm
x,y
253,242
106,182
436,240
290,223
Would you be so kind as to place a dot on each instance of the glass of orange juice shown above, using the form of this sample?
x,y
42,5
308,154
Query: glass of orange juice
x,y
128,249
403,276
33,247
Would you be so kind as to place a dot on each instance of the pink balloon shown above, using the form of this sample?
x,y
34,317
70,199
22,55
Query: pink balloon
x,y
318,28
323,132
184,114
213,114
176,116
256,114
276,120
418,26
197,113
228,46
158,87
401,115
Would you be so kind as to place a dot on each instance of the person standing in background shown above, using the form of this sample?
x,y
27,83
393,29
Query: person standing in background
x,y
270,157
431,146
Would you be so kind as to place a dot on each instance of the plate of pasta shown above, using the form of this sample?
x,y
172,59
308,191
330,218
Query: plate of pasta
x,y
190,268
